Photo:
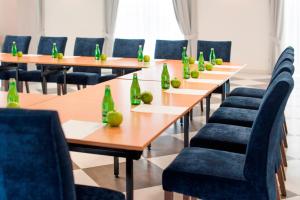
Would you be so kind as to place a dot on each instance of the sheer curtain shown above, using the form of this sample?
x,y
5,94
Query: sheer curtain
x,y
291,33
147,19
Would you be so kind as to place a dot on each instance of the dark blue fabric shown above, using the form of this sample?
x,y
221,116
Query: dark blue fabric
x,y
214,174
242,102
93,193
36,76
169,49
248,92
233,116
84,78
126,48
85,75
35,162
222,49
222,137
86,47
22,42
45,48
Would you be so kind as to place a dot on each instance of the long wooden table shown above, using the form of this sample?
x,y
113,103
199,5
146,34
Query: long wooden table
x,y
138,129
46,62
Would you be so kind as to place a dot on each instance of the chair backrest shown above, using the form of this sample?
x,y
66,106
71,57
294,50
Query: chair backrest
x,y
86,47
262,148
127,48
22,42
34,159
45,45
222,49
286,55
169,49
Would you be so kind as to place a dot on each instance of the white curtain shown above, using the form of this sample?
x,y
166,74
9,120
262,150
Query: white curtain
x,y
186,15
110,17
291,28
41,17
277,16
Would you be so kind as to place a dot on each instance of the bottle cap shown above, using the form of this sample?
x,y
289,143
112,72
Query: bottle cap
x,y
134,74
54,43
12,80
212,49
14,42
107,86
97,44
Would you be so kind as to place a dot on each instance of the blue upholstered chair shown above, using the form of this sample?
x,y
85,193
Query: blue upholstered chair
x,y
169,49
286,55
45,48
241,115
85,75
126,48
35,161
214,174
22,45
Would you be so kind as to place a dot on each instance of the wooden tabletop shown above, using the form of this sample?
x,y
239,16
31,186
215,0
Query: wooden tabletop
x,y
138,129
122,63
26,100
175,70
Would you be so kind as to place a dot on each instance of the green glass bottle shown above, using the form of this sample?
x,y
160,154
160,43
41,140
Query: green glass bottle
x,y
183,54
201,66
165,77
97,52
135,91
212,56
107,103
12,95
186,68
54,52
14,49
140,56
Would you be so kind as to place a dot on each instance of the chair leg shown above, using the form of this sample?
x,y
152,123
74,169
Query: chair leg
x,y
201,105
181,121
169,195
283,171
149,147
285,125
6,84
278,197
281,182
283,155
59,89
191,114
20,86
193,198
27,87
78,87
284,137
44,88
84,86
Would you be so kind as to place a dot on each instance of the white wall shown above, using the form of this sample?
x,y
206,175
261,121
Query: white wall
x,y
245,22
74,18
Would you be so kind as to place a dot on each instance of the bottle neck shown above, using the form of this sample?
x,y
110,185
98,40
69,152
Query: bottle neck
x,y
107,92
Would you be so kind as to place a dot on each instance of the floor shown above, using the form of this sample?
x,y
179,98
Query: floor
x,y
98,170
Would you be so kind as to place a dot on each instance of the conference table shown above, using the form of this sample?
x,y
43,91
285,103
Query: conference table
x,y
81,115
49,64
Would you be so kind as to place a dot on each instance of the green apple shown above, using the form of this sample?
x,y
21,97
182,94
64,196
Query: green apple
x,y
103,57
147,97
209,66
60,55
194,74
114,118
191,60
20,54
219,61
146,58
13,105
175,83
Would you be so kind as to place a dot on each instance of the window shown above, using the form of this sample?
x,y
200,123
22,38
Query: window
x,y
292,27
149,20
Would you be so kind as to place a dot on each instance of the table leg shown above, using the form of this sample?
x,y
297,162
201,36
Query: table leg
x,y
65,82
17,78
129,179
186,129
223,91
116,166
207,107
44,81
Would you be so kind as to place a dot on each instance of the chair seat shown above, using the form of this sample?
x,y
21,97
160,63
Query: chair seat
x,y
208,174
222,137
84,78
248,92
94,193
242,102
35,76
6,75
233,116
